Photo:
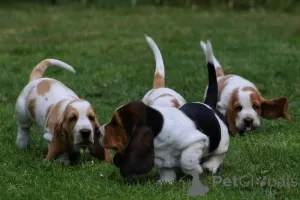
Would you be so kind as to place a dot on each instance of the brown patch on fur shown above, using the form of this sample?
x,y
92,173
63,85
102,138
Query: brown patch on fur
x,y
159,81
255,98
251,89
62,140
150,102
44,86
31,107
222,83
53,116
231,111
219,71
76,100
115,135
39,70
175,103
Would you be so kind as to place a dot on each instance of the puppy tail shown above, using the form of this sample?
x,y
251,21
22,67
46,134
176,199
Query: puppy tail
x,y
159,76
39,70
212,90
219,70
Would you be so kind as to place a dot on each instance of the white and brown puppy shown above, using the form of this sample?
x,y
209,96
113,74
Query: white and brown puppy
x,y
168,137
160,95
69,123
241,102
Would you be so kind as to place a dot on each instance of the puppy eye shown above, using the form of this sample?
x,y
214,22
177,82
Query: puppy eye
x,y
73,118
255,106
238,108
91,118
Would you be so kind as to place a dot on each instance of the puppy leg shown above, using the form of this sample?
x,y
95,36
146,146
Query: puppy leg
x,y
213,163
24,125
216,159
191,156
23,137
167,175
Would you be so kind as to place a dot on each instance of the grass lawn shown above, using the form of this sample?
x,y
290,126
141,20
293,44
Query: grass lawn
x,y
115,65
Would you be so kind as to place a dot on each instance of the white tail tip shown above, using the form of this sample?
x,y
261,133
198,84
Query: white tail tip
x,y
203,46
61,64
209,52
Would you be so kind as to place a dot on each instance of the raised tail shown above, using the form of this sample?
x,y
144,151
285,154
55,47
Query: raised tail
x,y
39,70
211,97
159,76
219,70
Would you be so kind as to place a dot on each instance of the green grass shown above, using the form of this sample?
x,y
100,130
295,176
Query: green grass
x,y
114,66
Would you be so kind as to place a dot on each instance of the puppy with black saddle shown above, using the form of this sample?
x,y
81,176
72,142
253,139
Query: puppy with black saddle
x,y
192,138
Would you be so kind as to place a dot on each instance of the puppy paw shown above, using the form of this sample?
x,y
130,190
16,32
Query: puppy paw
x,y
165,181
211,167
23,143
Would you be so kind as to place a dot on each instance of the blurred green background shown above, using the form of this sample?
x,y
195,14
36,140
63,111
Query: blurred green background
x,y
238,5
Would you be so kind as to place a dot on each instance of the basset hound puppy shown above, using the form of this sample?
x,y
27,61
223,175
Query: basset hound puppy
x,y
69,123
241,102
160,95
192,138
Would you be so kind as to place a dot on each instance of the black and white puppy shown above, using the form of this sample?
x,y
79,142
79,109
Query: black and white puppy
x,y
167,137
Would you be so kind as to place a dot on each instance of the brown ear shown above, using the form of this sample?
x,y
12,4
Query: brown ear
x,y
97,149
230,114
57,145
138,157
275,108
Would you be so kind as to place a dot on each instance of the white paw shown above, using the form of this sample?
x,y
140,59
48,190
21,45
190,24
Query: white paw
x,y
48,137
23,142
211,166
64,158
165,181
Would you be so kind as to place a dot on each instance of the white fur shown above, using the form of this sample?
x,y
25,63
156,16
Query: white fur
x,y
160,67
160,96
232,83
58,92
61,64
181,145
214,60
237,82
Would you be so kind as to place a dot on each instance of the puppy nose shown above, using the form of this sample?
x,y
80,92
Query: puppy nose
x,y
248,121
85,133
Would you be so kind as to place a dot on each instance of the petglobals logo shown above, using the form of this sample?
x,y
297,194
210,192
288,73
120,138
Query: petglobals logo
x,y
251,181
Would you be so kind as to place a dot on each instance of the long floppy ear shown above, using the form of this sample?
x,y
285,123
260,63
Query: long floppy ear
x,y
138,157
97,150
57,145
275,108
230,115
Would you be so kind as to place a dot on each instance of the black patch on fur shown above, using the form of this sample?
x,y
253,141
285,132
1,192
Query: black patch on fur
x,y
211,97
205,121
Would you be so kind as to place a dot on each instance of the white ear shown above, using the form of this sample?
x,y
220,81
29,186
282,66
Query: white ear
x,y
203,46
